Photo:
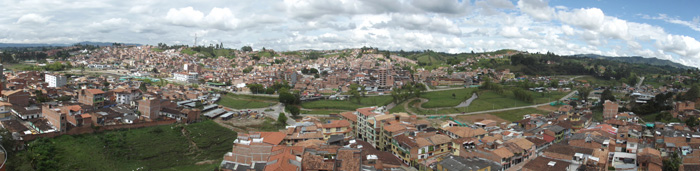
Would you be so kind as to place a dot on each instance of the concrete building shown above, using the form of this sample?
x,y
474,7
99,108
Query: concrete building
x,y
190,77
55,80
126,96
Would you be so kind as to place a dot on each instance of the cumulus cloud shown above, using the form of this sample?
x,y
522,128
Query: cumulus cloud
x,y
423,23
442,6
187,16
108,25
218,18
33,18
538,9
441,25
590,18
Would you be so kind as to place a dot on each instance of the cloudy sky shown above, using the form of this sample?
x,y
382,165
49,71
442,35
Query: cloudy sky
x,y
667,30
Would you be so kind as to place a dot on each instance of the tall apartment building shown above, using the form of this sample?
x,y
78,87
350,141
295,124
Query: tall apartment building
x,y
610,109
150,108
55,80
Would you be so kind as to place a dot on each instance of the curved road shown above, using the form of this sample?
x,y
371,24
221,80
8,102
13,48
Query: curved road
x,y
504,109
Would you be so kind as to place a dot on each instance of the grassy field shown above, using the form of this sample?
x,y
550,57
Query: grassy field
x,y
166,147
322,111
399,108
445,99
598,82
17,66
489,100
346,104
245,102
515,115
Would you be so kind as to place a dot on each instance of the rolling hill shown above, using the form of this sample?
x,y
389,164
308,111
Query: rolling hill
x,y
637,60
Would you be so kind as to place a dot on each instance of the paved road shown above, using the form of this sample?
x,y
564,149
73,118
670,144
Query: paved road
x,y
467,102
639,83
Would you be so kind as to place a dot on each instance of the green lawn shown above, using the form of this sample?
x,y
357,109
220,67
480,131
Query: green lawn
x,y
153,148
322,111
245,102
547,97
445,99
652,118
346,104
515,115
400,107
17,66
489,100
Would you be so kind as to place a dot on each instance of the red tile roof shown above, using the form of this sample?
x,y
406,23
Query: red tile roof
x,y
95,91
336,124
274,138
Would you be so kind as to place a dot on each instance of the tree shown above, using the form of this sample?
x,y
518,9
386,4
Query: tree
x,y
692,94
288,98
672,163
573,104
282,119
583,93
692,121
354,93
247,49
154,70
454,95
607,95
198,105
256,88
294,110
143,87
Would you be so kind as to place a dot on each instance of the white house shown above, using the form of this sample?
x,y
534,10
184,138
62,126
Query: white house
x,y
126,96
55,80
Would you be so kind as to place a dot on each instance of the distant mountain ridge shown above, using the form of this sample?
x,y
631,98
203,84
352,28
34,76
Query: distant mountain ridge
x,y
637,60
2,45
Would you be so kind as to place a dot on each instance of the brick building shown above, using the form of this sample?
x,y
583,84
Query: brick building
x,y
92,97
610,109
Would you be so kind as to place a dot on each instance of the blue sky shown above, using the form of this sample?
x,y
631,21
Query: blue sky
x,y
666,30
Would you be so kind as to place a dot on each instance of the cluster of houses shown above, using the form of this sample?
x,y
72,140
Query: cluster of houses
x,y
335,72
374,139
34,103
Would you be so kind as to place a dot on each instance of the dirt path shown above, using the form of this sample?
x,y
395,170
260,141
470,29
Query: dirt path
x,y
193,146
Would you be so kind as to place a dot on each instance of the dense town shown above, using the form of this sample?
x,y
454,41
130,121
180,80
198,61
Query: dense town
x,y
145,86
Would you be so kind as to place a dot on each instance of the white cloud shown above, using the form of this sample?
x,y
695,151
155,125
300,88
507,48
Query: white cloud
x,y
108,25
442,25
33,18
422,22
218,18
590,18
187,16
693,24
510,32
538,9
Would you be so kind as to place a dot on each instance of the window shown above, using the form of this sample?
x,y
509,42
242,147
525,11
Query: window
x,y
328,130
337,129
